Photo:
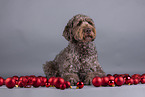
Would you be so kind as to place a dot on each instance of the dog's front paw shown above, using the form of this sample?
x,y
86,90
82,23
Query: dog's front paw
x,y
71,77
89,77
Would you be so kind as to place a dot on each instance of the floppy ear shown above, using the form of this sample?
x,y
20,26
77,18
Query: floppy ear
x,y
67,32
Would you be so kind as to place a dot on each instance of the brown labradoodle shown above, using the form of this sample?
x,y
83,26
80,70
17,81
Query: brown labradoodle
x,y
78,61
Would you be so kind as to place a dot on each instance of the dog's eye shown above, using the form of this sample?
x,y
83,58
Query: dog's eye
x,y
80,22
90,23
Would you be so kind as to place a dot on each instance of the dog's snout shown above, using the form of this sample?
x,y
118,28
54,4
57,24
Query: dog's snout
x,y
87,30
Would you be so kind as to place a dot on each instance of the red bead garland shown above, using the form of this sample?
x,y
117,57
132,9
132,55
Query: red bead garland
x,y
60,83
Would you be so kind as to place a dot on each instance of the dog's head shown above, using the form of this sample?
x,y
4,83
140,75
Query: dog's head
x,y
80,28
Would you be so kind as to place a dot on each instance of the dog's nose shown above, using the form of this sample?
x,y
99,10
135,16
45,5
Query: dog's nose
x,y
87,30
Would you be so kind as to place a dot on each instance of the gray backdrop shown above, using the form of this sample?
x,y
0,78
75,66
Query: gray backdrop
x,y
31,33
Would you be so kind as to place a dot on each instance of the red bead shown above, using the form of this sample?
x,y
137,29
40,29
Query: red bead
x,y
24,80
62,86
47,84
105,81
16,78
136,76
43,80
57,81
127,79
131,81
34,79
20,84
97,81
67,83
136,81
111,83
143,76
1,81
36,82
10,83
80,84
143,80
50,80
119,81
30,82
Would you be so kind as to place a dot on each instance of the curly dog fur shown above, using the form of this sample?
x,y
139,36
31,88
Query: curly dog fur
x,y
78,61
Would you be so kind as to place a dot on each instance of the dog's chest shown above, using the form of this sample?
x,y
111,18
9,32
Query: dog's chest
x,y
85,56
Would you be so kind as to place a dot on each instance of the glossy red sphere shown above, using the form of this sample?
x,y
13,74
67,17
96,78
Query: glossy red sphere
x,y
105,81
10,83
136,81
24,80
62,86
111,83
16,78
36,82
97,81
127,79
136,76
20,84
67,83
143,80
131,81
50,80
143,76
57,81
30,82
47,84
80,84
119,81
43,80
1,81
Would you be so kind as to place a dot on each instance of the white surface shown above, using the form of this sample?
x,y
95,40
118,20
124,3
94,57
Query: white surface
x,y
87,91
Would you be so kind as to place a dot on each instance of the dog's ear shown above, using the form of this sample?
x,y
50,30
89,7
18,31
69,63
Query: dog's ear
x,y
67,33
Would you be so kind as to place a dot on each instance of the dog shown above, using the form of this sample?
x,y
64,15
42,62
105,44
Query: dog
x,y
79,60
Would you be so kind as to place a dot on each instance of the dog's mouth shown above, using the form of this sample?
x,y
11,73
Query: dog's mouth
x,y
88,38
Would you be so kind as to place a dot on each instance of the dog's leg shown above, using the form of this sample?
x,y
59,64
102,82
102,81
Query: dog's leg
x,y
51,69
90,75
71,77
